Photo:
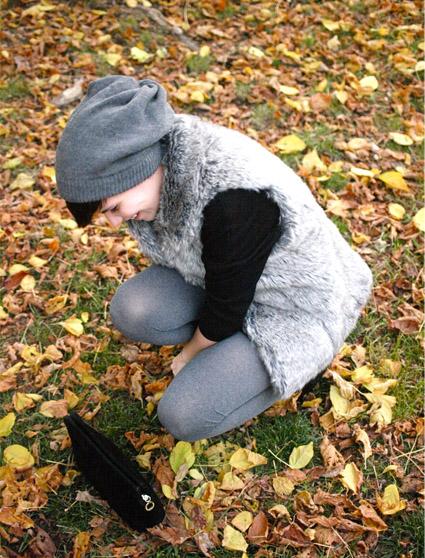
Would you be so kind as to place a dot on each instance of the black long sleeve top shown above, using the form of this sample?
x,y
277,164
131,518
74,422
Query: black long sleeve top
x,y
239,230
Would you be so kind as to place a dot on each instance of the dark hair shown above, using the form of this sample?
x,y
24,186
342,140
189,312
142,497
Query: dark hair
x,y
83,212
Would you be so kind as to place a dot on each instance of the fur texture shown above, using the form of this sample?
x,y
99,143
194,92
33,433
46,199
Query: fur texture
x,y
314,285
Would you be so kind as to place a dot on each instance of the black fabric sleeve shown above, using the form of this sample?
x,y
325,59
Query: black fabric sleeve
x,y
239,230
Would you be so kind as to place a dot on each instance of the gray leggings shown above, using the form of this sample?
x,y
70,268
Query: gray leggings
x,y
222,386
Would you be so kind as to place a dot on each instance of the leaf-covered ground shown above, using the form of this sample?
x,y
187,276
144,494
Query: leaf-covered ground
x,y
336,90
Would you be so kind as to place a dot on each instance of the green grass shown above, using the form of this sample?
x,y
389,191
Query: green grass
x,y
405,535
17,88
242,90
262,116
197,64
281,435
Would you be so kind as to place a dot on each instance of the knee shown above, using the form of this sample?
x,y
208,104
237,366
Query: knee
x,y
179,420
131,315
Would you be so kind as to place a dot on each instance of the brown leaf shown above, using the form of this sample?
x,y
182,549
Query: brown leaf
x,y
370,518
259,529
330,454
14,280
320,101
293,535
42,545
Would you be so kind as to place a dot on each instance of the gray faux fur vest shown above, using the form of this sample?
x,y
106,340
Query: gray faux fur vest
x,y
314,285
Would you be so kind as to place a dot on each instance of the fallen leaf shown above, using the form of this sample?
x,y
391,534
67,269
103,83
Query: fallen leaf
x,y
233,539
301,456
352,477
6,424
394,180
390,503
18,457
242,520
245,459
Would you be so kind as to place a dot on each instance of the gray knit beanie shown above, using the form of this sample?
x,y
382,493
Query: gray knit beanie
x,y
112,139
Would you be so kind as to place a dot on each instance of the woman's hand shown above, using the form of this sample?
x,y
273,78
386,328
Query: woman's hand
x,y
178,362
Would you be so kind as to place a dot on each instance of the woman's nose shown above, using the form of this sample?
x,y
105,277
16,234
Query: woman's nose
x,y
115,220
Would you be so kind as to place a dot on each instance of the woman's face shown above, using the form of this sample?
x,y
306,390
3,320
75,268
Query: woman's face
x,y
140,202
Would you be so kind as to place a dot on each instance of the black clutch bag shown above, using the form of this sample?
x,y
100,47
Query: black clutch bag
x,y
114,476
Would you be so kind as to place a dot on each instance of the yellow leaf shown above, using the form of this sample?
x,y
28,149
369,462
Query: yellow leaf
x,y
300,106
282,486
22,182
37,262
290,144
347,390
55,304
358,171
182,453
28,283
6,424
351,477
369,83
419,220
71,398
140,55
390,468
254,51
242,520
73,325
3,314
112,58
301,456
420,66
150,407
234,540
362,375
401,139
18,457
14,162
21,401
16,268
85,317
231,482
206,493
340,404
204,51
144,460
381,385
196,474
342,96
312,161
381,416
166,489
68,224
245,459
394,180
312,402
330,25
288,90
390,503
360,238
49,172
197,96
396,211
